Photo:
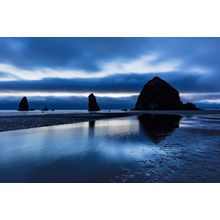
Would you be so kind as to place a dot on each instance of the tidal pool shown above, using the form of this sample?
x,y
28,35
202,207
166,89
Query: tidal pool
x,y
150,148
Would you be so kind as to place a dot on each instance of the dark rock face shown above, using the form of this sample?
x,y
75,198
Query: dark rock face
x,y
188,106
23,105
45,108
157,94
93,105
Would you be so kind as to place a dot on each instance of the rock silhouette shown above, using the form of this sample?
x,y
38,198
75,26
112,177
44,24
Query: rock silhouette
x,y
188,106
23,105
45,108
157,94
93,105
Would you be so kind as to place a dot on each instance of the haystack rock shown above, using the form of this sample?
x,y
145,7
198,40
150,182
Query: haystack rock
x,y
157,94
93,105
23,105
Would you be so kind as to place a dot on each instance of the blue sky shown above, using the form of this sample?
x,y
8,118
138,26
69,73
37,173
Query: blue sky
x,y
61,72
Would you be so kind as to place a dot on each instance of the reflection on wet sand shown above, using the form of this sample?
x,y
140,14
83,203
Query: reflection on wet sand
x,y
154,127
157,127
91,129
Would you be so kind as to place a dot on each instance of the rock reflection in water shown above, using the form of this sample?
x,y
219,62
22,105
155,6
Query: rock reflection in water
x,y
91,128
157,127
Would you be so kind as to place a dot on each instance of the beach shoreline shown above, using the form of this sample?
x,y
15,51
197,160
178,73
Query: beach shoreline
x,y
17,122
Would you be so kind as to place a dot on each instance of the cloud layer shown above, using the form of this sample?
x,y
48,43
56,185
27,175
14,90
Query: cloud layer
x,y
109,67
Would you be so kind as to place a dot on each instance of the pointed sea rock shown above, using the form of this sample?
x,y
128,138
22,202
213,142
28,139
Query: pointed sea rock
x,y
23,105
93,105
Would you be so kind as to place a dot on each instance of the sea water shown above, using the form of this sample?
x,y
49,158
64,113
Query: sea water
x,y
150,148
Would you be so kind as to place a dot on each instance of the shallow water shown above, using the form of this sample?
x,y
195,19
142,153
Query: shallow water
x,y
132,149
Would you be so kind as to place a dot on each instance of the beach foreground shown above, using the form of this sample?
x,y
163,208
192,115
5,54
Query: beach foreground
x,y
16,122
144,148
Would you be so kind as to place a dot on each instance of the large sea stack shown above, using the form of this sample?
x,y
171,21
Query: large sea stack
x,y
23,105
157,94
93,105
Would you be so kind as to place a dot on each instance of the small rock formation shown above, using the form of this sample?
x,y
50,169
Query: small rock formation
x,y
188,106
45,108
93,105
23,105
157,94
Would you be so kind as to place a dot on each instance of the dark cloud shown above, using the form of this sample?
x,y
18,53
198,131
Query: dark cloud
x,y
117,83
68,53
193,51
87,53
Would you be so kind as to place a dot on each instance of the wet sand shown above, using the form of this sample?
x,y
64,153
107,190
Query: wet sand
x,y
15,122
183,112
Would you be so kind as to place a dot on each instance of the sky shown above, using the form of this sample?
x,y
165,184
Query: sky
x,y
61,72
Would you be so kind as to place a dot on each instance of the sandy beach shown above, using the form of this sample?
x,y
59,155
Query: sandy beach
x,y
15,122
